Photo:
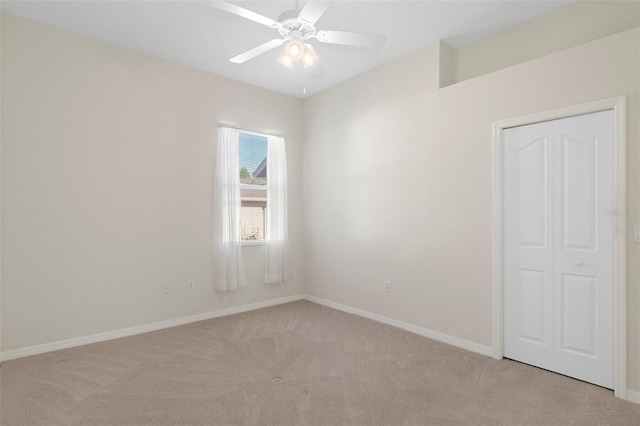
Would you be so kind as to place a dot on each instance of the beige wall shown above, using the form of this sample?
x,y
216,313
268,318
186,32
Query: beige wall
x,y
397,181
563,28
107,173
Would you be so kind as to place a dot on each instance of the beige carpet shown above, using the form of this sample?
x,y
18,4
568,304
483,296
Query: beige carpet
x,y
293,364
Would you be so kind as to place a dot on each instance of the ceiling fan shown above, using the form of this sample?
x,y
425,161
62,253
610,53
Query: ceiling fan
x,y
296,27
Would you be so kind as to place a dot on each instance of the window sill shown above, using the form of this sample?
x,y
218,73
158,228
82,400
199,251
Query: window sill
x,y
254,243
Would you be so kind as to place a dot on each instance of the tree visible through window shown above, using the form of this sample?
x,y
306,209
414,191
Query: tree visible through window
x,y
253,186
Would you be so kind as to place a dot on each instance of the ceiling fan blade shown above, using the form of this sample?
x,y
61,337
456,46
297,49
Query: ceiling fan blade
x,y
245,13
312,11
371,41
317,70
258,50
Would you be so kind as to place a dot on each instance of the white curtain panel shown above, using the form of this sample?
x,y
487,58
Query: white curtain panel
x,y
276,248
227,250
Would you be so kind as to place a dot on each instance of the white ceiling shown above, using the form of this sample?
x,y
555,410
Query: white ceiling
x,y
195,34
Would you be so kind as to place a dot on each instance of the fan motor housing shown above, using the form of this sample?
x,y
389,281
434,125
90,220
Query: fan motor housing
x,y
292,27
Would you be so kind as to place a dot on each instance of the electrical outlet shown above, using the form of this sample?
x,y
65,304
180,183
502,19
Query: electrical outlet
x,y
165,289
387,286
191,285
636,233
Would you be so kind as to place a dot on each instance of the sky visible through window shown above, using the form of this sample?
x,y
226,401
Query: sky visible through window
x,y
253,151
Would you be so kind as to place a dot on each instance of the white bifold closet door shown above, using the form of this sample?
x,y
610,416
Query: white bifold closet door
x,y
558,246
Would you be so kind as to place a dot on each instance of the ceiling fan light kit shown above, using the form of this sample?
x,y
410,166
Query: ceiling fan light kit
x,y
296,27
297,51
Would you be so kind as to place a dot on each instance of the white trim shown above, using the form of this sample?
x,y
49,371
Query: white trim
x,y
425,332
633,396
253,242
116,334
125,332
618,105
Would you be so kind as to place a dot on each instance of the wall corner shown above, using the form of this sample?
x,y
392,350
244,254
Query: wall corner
x,y
446,64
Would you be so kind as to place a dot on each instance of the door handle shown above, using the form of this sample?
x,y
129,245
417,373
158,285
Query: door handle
x,y
578,263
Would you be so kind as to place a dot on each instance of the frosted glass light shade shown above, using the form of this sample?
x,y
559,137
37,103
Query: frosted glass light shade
x,y
309,57
286,60
295,49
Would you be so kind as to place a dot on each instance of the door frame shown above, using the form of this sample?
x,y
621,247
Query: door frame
x,y
618,105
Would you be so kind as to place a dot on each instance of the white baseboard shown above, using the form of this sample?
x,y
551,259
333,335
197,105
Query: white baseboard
x,y
125,332
633,396
435,335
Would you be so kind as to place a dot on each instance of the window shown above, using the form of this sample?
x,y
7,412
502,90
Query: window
x,y
247,207
253,186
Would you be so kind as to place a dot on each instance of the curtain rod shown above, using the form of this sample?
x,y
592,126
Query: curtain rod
x,y
249,131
